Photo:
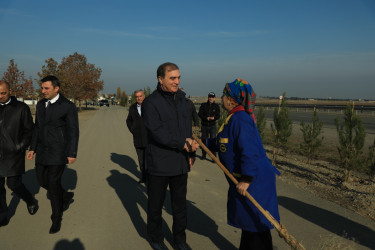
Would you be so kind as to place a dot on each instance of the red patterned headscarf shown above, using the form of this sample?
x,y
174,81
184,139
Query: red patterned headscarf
x,y
242,93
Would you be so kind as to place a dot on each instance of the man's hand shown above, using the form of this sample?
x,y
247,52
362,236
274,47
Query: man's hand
x,y
191,161
30,155
71,160
195,145
242,187
191,145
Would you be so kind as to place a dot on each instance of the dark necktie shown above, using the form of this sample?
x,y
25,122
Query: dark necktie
x,y
48,104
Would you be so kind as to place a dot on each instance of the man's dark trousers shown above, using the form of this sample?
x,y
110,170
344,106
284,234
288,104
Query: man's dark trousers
x,y
15,184
49,177
207,132
141,153
156,188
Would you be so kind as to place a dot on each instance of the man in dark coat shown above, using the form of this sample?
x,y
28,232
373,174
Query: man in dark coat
x,y
55,142
136,126
209,112
169,155
16,128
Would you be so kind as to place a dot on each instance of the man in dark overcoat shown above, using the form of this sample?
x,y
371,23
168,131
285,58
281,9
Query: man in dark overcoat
x,y
16,127
136,126
169,154
209,112
55,143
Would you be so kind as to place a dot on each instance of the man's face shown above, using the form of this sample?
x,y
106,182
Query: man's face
x,y
211,99
4,93
139,96
171,81
49,91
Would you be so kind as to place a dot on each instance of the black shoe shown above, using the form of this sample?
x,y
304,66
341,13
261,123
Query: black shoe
x,y
203,157
158,245
33,207
67,200
56,225
4,222
182,246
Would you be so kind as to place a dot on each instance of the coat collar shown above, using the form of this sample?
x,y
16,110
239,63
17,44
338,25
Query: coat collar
x,y
178,93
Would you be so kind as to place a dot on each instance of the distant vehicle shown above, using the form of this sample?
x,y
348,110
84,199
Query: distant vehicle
x,y
103,103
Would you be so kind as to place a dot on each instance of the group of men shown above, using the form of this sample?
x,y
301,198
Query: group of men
x,y
168,152
53,139
161,126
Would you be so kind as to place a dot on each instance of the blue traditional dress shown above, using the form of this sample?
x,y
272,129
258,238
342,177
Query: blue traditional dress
x,y
241,151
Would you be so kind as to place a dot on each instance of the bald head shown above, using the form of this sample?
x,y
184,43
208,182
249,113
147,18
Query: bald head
x,y
4,91
6,83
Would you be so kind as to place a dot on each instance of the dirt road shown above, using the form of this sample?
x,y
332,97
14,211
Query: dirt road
x,y
109,211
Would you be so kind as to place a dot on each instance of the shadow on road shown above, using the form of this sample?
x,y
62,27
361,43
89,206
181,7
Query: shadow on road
x,y
69,182
133,194
200,223
76,244
332,222
126,163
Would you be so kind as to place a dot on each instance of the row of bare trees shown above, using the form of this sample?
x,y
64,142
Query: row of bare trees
x,y
80,80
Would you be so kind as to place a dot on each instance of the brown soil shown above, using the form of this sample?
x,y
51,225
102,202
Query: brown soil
x,y
324,179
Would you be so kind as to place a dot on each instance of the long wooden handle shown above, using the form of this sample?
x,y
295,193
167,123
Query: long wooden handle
x,y
278,226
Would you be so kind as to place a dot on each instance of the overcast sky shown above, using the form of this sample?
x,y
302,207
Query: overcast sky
x,y
306,48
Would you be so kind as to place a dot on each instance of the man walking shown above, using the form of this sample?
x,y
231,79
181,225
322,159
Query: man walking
x,y
16,128
169,154
209,113
136,126
55,142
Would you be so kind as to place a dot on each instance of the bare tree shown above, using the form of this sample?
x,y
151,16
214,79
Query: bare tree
x,y
21,87
50,68
79,79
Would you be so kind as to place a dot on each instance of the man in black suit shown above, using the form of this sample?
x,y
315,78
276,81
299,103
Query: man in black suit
x,y
170,154
55,142
16,128
136,126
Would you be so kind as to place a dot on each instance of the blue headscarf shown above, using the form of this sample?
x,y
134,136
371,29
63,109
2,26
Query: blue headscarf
x,y
242,93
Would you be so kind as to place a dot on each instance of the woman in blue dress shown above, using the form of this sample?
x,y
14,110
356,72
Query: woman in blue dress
x,y
241,151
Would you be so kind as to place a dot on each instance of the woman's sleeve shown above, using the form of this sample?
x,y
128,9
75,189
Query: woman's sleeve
x,y
248,146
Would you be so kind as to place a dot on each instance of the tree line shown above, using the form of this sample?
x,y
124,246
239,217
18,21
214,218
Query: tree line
x,y
350,130
80,80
